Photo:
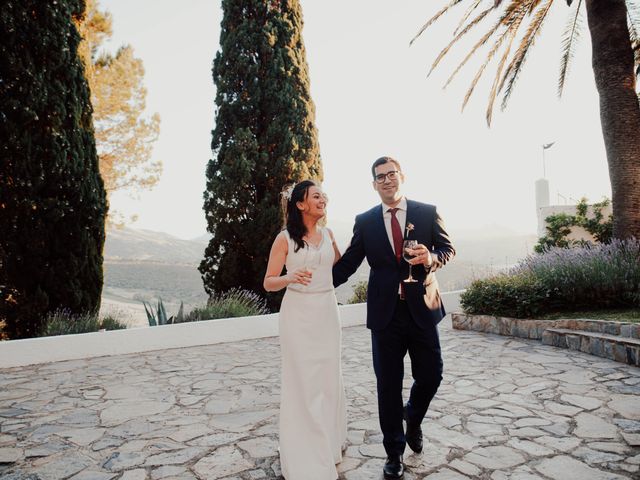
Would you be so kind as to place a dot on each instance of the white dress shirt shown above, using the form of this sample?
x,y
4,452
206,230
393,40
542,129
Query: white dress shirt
x,y
401,215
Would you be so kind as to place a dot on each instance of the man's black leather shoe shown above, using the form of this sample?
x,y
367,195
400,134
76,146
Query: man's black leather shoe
x,y
393,467
413,435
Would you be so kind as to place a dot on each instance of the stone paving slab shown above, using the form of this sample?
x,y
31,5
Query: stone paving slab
x,y
508,408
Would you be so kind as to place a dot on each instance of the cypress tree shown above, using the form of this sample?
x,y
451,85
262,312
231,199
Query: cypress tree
x,y
52,199
264,136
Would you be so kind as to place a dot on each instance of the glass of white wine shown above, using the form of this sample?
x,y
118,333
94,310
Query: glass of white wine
x,y
409,245
312,260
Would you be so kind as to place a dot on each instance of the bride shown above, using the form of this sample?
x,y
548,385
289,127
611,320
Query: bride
x,y
312,406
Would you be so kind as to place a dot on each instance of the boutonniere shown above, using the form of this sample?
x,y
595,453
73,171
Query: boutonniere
x,y
409,228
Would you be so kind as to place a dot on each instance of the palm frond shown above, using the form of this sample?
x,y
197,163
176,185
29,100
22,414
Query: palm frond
x,y
515,67
441,12
533,4
633,15
494,88
466,15
633,32
466,30
510,31
504,20
633,11
479,44
570,37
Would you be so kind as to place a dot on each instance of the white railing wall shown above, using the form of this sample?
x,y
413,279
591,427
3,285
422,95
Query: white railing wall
x,y
16,353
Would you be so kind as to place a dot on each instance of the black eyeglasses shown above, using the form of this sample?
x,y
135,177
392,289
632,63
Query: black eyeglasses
x,y
381,177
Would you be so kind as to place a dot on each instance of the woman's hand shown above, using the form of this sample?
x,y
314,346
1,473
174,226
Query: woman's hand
x,y
301,276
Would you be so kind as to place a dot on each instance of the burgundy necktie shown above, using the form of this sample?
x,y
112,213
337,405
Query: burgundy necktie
x,y
396,233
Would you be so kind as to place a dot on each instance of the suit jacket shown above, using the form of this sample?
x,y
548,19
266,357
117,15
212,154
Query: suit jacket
x,y
370,240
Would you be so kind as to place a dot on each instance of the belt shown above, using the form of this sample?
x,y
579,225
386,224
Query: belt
x,y
301,290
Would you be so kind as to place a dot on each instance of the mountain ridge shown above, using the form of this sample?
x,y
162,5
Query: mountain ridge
x,y
129,244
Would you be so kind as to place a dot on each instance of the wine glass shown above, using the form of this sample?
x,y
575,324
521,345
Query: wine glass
x,y
312,260
409,245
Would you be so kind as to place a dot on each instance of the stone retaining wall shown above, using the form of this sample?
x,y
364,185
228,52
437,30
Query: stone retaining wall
x,y
532,328
620,349
613,340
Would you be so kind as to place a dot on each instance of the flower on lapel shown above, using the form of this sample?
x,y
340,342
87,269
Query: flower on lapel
x,y
409,228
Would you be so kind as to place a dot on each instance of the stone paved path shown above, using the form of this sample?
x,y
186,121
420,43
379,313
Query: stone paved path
x,y
508,409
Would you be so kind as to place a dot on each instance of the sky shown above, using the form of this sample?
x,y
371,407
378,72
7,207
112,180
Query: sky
x,y
373,98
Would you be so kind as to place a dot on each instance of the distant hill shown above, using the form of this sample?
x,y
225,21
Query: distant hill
x,y
496,251
146,245
144,265
479,252
491,246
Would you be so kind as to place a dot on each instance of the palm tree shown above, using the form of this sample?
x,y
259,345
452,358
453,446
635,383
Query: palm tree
x,y
614,26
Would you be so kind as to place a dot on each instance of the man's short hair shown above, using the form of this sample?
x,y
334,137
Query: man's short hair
x,y
382,161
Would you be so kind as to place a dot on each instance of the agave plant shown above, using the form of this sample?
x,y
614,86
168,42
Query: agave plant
x,y
614,27
159,317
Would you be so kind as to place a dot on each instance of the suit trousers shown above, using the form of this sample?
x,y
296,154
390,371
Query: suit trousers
x,y
389,347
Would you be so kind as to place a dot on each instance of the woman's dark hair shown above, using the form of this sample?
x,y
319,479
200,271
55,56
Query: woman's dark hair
x,y
294,223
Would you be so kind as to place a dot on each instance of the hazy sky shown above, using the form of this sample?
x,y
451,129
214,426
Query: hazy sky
x,y
373,98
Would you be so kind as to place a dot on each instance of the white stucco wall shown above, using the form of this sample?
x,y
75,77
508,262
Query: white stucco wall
x,y
577,233
15,353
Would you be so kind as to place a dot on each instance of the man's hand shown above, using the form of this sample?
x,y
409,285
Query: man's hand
x,y
422,256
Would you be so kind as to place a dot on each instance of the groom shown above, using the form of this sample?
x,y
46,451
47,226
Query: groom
x,y
402,316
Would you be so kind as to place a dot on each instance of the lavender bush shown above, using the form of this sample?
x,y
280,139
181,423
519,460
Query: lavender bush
x,y
593,277
63,322
233,303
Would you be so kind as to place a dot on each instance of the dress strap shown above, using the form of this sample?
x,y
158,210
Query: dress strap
x,y
327,237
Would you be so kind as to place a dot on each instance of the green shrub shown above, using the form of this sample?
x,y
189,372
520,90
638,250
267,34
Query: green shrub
x,y
234,303
586,278
62,322
506,296
359,294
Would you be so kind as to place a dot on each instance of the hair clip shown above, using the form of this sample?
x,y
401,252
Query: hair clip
x,y
286,193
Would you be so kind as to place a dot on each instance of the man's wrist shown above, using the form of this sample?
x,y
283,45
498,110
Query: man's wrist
x,y
432,261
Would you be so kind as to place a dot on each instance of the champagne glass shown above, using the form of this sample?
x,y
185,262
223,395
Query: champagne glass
x,y
312,260
409,245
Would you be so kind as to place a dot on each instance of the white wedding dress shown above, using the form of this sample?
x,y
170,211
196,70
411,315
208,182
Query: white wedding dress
x,y
313,424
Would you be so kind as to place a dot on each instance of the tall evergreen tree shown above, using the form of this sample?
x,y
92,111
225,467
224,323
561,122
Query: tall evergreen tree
x,y
52,199
264,136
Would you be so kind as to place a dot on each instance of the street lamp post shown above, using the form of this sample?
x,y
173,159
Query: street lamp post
x,y
542,192
545,146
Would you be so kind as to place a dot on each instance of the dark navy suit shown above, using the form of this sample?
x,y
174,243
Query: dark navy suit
x,y
399,326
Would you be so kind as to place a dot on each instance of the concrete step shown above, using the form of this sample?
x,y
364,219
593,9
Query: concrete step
x,y
623,349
